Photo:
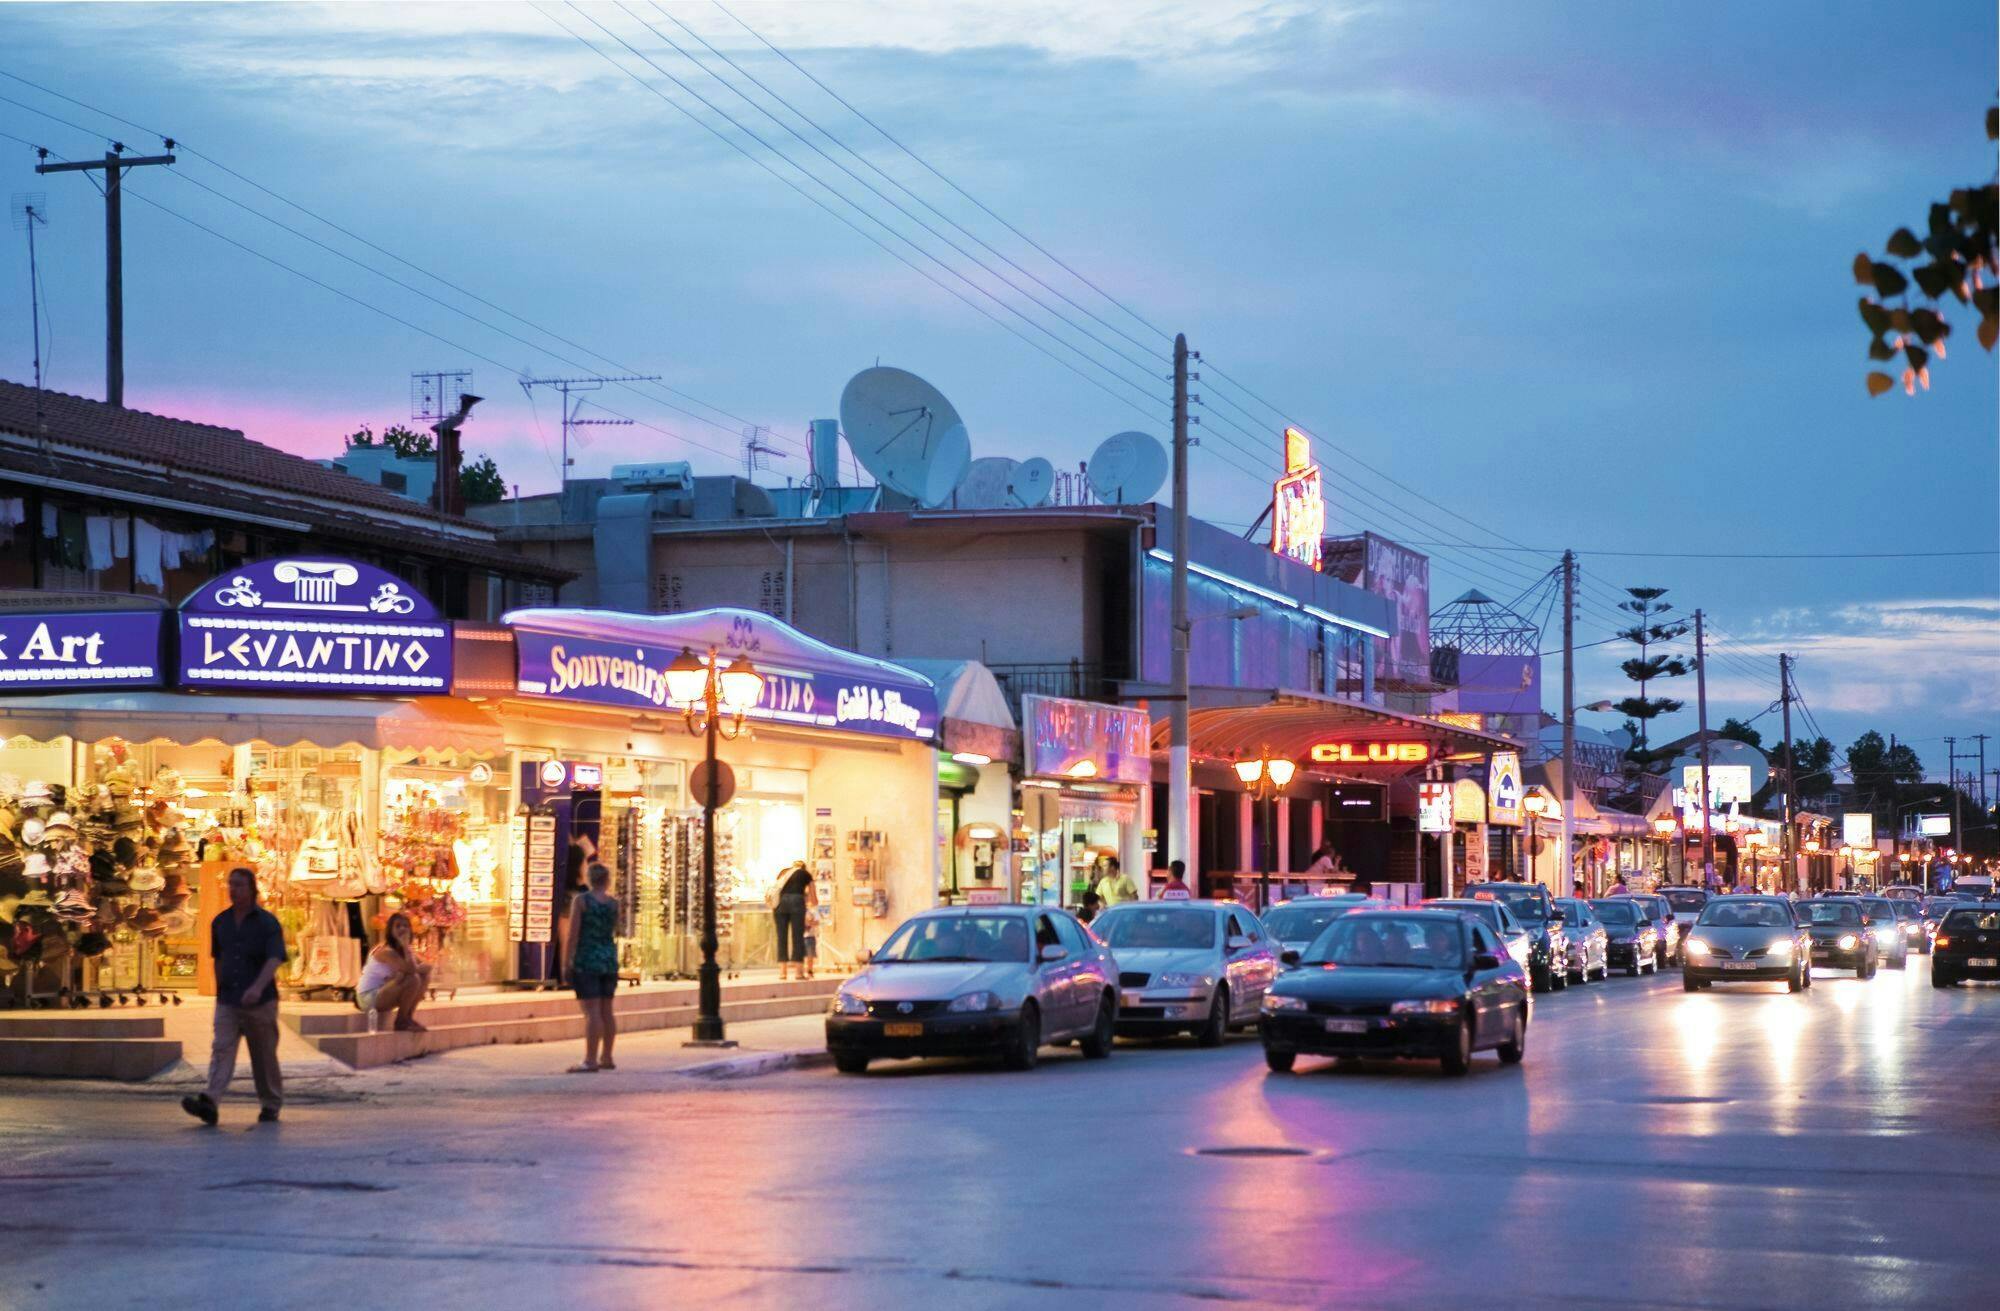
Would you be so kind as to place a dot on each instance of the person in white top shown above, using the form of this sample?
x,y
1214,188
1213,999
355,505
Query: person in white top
x,y
394,979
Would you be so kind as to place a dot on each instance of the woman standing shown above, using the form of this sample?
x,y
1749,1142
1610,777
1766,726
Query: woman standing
x,y
393,979
788,916
590,962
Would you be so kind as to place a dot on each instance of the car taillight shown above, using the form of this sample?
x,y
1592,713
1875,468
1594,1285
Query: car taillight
x,y
1942,941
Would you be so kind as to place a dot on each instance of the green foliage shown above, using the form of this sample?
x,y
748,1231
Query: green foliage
x,y
1960,254
1812,761
1738,731
1877,766
480,482
1652,629
407,443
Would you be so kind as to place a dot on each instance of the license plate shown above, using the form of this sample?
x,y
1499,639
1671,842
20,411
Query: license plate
x,y
1739,965
1984,962
1347,1026
902,1030
1131,999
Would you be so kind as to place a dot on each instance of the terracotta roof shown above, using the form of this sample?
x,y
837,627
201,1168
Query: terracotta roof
x,y
197,448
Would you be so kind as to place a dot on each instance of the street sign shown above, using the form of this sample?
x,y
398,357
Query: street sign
x,y
725,783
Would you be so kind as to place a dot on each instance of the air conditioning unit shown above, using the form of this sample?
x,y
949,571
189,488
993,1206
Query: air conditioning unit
x,y
665,476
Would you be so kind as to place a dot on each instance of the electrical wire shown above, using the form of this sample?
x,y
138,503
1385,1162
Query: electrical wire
x,y
1750,555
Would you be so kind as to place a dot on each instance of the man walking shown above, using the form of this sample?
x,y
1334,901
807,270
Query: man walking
x,y
248,946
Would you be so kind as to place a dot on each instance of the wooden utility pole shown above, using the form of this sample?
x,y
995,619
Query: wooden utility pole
x,y
1566,883
1701,727
1791,773
1180,775
114,165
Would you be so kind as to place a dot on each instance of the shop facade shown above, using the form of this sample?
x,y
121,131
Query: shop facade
x,y
1084,799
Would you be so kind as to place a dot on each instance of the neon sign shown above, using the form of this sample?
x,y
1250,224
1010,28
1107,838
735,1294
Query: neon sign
x,y
1298,508
1371,753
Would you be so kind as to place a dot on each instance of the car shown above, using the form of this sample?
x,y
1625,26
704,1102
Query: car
x,y
1843,935
1631,940
1534,907
1743,938
1890,938
1497,917
1910,918
977,980
1198,967
1935,909
1660,911
1686,903
1294,924
1903,892
1977,886
1408,983
1967,946
1589,944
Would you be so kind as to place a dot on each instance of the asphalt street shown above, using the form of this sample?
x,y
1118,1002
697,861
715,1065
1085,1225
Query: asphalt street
x,y
1739,1148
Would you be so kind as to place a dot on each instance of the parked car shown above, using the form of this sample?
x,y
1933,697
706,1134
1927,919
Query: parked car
x,y
1935,909
1422,983
1686,903
1903,892
1968,945
1534,907
1890,940
1589,944
1746,938
977,980
1631,941
1199,967
1292,925
1661,912
1496,916
1910,919
1843,935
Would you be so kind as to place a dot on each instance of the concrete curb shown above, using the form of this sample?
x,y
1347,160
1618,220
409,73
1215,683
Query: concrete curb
x,y
751,1064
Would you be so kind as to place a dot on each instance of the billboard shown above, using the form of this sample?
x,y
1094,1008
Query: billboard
x,y
1434,807
1401,577
1503,788
1500,684
1857,830
1934,826
1726,783
1298,504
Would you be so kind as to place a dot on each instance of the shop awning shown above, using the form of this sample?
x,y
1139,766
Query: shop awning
x,y
1224,724
415,724
973,716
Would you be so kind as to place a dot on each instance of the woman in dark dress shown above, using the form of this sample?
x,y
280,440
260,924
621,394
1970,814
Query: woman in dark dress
x,y
788,914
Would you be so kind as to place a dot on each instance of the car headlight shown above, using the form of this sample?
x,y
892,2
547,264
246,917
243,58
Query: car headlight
x,y
1911,926
1782,947
1274,1003
1847,942
1887,933
846,1003
975,1001
1696,947
1426,1006
1183,980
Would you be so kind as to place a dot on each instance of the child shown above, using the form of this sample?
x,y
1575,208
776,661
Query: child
x,y
811,952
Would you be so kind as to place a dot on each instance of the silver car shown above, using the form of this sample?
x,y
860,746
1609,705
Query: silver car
x,y
1589,944
1294,924
1200,967
977,980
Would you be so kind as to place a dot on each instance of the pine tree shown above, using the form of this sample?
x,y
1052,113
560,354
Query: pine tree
x,y
1651,629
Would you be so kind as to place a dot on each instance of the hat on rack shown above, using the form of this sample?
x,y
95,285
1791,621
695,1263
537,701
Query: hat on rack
x,y
35,794
125,852
60,828
145,919
92,943
147,880
102,866
36,865
74,907
31,831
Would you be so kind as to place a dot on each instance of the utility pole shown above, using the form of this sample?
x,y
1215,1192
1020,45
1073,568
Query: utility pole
x,y
1791,773
570,421
1951,758
114,165
1180,778
1980,738
1701,727
1568,832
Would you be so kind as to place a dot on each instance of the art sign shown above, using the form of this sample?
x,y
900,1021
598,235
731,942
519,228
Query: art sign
x,y
319,625
1086,740
1298,505
1370,753
1503,788
49,651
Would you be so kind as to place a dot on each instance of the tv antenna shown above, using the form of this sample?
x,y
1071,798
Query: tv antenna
x,y
434,396
572,410
757,448
30,210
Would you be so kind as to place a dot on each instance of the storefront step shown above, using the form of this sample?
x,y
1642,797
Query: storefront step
x,y
125,1059
501,1008
83,1026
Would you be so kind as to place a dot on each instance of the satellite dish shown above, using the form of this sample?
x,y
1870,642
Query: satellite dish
x,y
1127,468
986,483
906,433
1032,482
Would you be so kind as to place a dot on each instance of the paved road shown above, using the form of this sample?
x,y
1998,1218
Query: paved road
x,y
1732,1149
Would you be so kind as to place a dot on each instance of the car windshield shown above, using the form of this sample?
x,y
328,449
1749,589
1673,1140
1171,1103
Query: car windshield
x,y
1180,927
1965,917
1938,905
1619,914
957,938
1394,941
1302,922
1745,915
1880,908
1485,910
1832,912
1685,899
1526,900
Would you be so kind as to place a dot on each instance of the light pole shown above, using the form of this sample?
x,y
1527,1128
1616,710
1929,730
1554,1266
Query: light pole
x,y
1536,805
713,699
1266,777
1665,827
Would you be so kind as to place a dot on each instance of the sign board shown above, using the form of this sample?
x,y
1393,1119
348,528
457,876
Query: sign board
x,y
1468,802
50,651
1360,801
1434,807
1503,788
1062,738
325,626
725,783
1934,826
1298,505
1726,783
1370,753
1857,829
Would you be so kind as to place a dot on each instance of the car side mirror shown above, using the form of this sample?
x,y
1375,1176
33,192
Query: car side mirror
x,y
1485,960
1289,957
1055,952
1557,917
867,955
1237,942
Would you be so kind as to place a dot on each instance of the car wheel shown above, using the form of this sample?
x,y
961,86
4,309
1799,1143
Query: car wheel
x,y
1027,1043
1516,1047
1691,984
1539,980
1638,967
1097,1043
1212,1033
1901,962
1796,983
850,1062
1941,978
1280,1062
1458,1059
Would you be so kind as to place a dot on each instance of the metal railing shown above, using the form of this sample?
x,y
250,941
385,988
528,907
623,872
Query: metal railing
x,y
1075,679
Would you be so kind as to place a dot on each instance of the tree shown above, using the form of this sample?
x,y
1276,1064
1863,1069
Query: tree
x,y
1878,766
480,482
1963,249
407,443
1651,630
1737,730
1811,761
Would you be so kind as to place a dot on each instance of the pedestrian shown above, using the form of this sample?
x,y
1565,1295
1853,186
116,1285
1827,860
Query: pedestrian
x,y
1115,887
1177,888
590,963
1618,889
1092,904
394,980
788,915
248,945
814,914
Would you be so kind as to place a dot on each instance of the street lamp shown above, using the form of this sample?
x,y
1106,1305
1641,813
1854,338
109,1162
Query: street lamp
x,y
1266,777
713,700
1536,805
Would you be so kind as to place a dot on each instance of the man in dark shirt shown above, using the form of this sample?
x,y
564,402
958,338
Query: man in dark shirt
x,y
248,946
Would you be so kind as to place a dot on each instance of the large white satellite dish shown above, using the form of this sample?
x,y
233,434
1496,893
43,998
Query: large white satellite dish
x,y
986,483
1127,468
1032,482
906,433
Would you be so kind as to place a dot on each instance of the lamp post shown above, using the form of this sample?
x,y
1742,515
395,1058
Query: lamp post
x,y
1536,805
713,699
1266,777
1665,827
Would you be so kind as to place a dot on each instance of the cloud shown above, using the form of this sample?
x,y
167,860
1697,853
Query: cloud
x,y
1938,656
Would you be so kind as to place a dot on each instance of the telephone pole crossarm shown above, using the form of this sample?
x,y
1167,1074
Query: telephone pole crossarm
x,y
114,165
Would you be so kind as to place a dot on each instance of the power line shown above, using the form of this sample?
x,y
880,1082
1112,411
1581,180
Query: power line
x,y
1755,555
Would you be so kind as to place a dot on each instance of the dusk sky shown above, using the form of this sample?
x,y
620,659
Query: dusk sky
x,y
1571,274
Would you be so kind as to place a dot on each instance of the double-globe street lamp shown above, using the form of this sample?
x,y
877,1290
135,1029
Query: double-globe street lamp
x,y
713,699
1266,777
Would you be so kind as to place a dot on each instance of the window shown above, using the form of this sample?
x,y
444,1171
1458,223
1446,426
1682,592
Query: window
x,y
1045,934
1483,940
1072,935
1242,924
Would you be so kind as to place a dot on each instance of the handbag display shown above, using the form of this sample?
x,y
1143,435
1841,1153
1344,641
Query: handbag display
x,y
318,858
328,958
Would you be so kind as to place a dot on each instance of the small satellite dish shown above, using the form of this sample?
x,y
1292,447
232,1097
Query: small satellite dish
x,y
986,483
906,433
1032,482
1127,468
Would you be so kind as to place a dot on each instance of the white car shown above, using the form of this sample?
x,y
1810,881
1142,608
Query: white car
x,y
1200,967
1495,915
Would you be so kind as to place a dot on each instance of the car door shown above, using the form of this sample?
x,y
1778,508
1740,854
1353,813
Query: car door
x,y
1092,974
1488,1000
1251,968
1056,978
1513,937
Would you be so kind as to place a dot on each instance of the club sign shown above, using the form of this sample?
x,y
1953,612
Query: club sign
x,y
1371,753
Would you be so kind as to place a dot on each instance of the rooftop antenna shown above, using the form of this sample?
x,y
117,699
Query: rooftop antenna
x,y
757,448
434,395
30,210
571,411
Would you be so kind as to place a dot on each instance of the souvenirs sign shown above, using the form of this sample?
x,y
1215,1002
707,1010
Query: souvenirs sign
x,y
1086,740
